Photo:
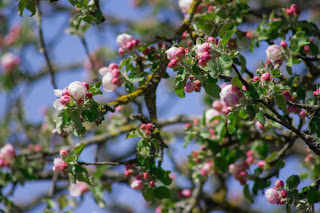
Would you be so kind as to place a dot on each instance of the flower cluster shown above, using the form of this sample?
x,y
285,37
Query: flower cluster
x,y
59,165
230,95
277,194
192,85
75,93
141,178
9,62
203,52
175,54
147,128
7,153
293,10
111,77
126,43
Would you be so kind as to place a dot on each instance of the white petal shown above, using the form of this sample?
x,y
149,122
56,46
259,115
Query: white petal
x,y
57,92
57,105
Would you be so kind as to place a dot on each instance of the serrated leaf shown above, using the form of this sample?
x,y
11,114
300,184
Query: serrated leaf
x,y
162,192
212,88
132,134
292,182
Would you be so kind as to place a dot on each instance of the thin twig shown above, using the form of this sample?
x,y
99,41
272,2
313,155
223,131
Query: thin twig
x,y
43,46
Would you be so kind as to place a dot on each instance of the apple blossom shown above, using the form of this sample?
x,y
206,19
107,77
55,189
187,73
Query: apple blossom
x,y
77,90
64,99
59,165
107,82
7,152
186,192
190,87
272,196
229,95
78,189
283,193
217,105
283,44
209,115
171,52
173,63
185,5
9,61
256,78
123,40
274,53
279,184
137,185
262,164
63,152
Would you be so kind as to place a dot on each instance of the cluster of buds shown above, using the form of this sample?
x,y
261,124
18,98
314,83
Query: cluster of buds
x,y
204,166
174,54
59,165
126,42
7,153
141,178
230,95
9,62
34,148
13,35
78,189
147,128
293,10
277,194
310,159
111,77
76,92
192,85
293,109
274,54
316,93
251,160
153,50
239,172
203,52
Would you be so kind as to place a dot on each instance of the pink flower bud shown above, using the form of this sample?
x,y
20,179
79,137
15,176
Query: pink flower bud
x,y
113,66
64,99
159,209
295,9
205,56
249,153
250,160
116,82
86,85
272,196
206,169
180,52
137,185
202,63
89,95
59,165
184,35
283,193
279,184
121,51
283,44
249,34
146,175
186,192
256,78
265,76
7,152
128,173
289,11
217,105
135,43
262,164
317,93
63,152
9,61
311,39
77,90
293,109
130,45
78,189
307,49
173,63
138,177
188,125
228,97
151,184
190,87
123,40
65,92
303,114
259,126
210,39
274,53
116,73
171,53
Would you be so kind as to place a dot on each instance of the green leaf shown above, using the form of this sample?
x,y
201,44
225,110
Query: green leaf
x,y
63,201
75,119
164,177
226,61
147,193
89,115
79,148
247,194
212,88
143,148
61,120
250,110
253,92
260,118
220,164
276,73
281,101
292,182
82,174
179,84
27,4
132,134
313,195
227,36
231,121
162,192
235,81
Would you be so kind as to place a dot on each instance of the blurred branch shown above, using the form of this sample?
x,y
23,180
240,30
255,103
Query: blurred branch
x,y
42,44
